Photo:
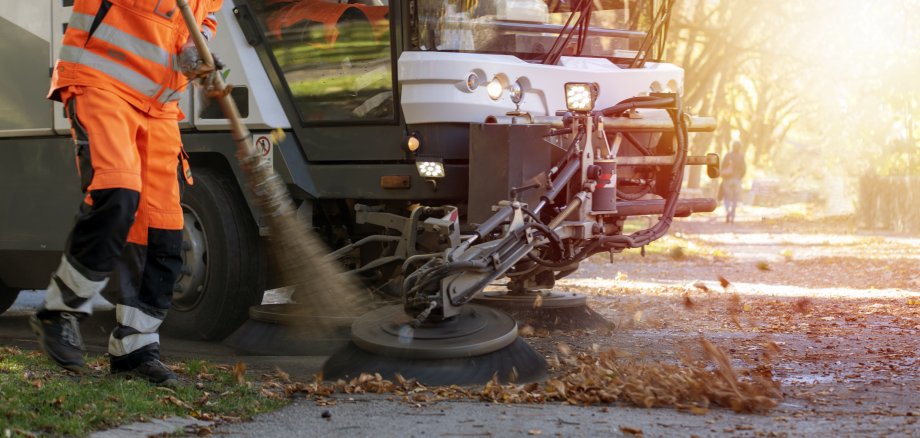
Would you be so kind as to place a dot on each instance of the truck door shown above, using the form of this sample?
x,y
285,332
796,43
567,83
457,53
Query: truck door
x,y
335,65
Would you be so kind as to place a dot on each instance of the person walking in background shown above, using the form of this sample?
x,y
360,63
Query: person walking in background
x,y
122,69
733,169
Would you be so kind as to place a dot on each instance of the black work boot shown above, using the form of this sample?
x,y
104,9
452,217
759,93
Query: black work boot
x,y
59,337
153,371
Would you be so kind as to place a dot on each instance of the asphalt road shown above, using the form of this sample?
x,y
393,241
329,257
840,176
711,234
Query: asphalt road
x,y
374,416
839,308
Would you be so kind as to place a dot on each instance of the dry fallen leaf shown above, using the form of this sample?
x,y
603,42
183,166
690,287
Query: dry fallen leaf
x,y
736,322
701,286
269,394
631,431
175,401
763,266
677,252
802,305
564,349
771,350
724,282
239,372
688,303
282,376
534,432
526,330
734,304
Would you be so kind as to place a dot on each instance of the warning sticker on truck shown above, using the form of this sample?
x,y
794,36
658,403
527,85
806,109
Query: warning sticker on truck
x,y
263,144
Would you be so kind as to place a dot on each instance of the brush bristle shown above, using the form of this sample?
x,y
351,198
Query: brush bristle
x,y
320,285
517,362
260,338
567,318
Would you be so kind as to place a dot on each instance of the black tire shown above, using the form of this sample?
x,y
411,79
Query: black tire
x,y
7,297
223,269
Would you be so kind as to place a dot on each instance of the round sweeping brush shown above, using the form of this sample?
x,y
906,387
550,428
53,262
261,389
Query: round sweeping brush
x,y
473,347
553,310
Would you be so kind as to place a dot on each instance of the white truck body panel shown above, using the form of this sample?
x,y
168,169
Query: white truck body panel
x,y
433,84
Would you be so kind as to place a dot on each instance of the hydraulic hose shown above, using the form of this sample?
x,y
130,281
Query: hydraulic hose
x,y
639,102
642,238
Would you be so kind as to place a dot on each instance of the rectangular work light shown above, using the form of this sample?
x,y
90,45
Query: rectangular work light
x,y
580,96
430,167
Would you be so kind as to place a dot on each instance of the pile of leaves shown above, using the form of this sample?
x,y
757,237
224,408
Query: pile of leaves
x,y
592,379
606,377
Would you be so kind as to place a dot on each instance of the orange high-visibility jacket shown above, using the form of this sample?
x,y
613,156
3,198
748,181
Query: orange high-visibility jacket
x,y
130,48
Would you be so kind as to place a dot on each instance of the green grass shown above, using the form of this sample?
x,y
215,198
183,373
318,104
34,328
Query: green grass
x,y
38,398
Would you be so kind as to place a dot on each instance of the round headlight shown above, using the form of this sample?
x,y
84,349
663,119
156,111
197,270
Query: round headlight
x,y
412,144
517,92
472,81
495,88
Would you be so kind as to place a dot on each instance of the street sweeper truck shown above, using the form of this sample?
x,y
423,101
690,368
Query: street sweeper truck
x,y
438,147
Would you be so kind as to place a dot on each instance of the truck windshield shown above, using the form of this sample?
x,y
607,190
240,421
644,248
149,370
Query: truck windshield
x,y
529,28
334,56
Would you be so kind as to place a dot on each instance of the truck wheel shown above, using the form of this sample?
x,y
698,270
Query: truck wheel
x,y
7,297
223,270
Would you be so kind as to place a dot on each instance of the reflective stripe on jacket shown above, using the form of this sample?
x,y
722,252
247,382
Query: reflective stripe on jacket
x,y
130,47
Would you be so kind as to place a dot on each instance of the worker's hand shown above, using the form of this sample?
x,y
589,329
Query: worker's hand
x,y
191,64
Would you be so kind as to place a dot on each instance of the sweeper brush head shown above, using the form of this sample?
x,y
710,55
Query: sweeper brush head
x,y
280,330
552,310
471,348
517,362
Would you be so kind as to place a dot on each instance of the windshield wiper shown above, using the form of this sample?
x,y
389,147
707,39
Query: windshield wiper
x,y
583,9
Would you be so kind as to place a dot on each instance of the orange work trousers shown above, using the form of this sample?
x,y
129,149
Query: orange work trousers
x,y
130,150
132,169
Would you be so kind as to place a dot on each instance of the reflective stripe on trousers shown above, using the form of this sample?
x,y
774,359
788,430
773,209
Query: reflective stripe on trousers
x,y
146,275
136,329
72,291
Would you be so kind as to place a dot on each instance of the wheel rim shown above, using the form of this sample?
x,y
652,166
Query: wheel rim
x,y
193,278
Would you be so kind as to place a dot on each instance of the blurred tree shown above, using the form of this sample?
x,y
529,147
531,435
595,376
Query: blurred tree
x,y
721,45
844,72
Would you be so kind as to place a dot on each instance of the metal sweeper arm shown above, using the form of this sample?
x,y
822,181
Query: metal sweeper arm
x,y
319,283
